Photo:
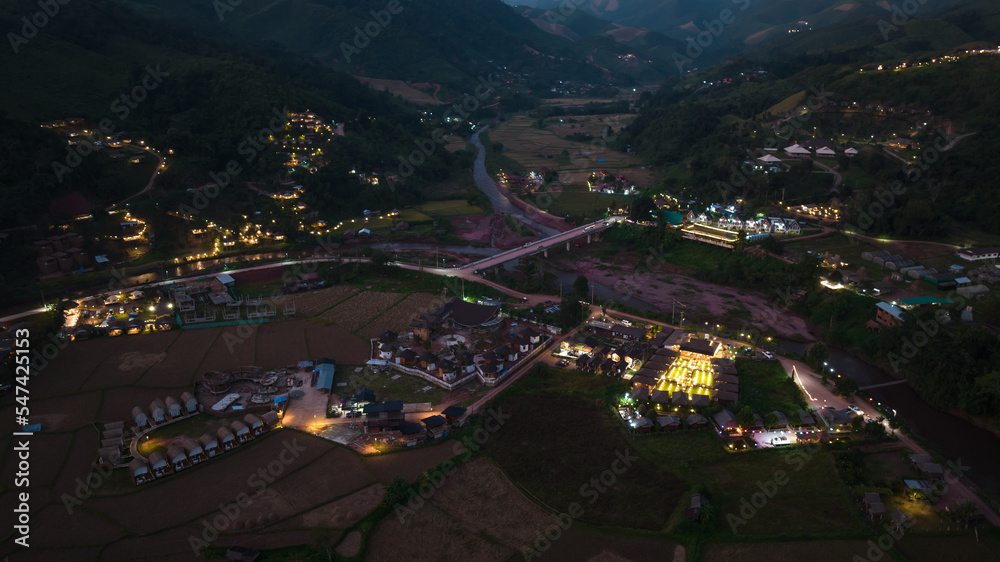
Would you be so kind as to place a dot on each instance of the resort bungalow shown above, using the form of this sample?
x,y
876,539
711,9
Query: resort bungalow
x,y
241,431
640,393
158,411
436,426
410,433
173,407
195,452
253,422
678,398
726,422
696,421
669,423
660,397
641,424
782,419
209,445
190,402
454,415
270,419
178,458
226,439
139,471
806,419
139,417
158,464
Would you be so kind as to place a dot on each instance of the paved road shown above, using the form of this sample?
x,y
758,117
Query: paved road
x,y
497,199
149,184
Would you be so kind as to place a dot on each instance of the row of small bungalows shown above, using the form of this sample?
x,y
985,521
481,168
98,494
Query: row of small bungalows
x,y
669,423
191,452
432,427
159,410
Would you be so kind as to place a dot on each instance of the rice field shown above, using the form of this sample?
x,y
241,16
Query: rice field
x,y
536,148
398,318
361,309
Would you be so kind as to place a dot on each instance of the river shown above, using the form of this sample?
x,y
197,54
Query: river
x,y
952,436
497,199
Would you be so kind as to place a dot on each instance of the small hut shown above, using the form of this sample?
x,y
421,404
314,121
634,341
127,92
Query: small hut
x,y
226,439
139,417
178,458
270,419
253,422
173,407
158,411
436,426
209,445
139,471
158,464
195,452
190,402
241,431
454,415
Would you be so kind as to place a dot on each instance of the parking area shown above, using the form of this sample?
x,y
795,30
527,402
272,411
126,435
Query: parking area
x,y
775,438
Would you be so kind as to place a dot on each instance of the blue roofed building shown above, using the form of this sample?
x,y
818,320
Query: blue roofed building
x,y
326,369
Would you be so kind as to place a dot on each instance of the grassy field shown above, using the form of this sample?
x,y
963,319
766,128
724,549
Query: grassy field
x,y
583,203
535,148
192,427
451,208
391,385
766,387
727,479
556,445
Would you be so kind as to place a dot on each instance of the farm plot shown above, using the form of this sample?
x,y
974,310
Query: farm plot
x,y
313,302
128,357
338,344
482,498
235,346
410,464
180,366
72,367
430,534
310,487
398,318
360,310
281,343
66,413
229,474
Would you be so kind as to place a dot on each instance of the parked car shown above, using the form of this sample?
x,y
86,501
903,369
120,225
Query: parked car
x,y
768,354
